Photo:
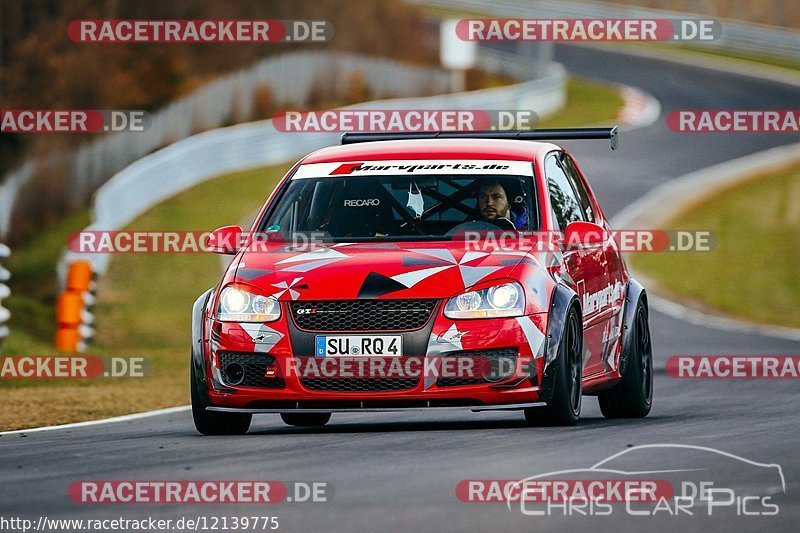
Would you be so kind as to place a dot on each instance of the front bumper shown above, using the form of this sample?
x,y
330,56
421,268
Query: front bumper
x,y
440,338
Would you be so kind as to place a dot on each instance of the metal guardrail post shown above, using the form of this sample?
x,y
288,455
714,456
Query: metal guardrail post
x,y
5,292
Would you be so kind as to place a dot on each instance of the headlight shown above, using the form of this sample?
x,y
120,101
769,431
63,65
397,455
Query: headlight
x,y
503,296
469,301
498,301
237,305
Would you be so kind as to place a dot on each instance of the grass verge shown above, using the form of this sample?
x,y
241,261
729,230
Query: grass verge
x,y
588,102
144,309
752,273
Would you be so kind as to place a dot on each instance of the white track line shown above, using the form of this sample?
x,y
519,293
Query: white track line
x,y
124,418
659,205
700,318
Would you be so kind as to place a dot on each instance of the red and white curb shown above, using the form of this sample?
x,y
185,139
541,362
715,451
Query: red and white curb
x,y
640,109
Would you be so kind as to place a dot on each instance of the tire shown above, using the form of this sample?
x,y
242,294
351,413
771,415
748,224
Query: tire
x,y
305,419
564,408
211,422
633,396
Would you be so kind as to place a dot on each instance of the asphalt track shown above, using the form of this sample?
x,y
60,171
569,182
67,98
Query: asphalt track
x,y
398,472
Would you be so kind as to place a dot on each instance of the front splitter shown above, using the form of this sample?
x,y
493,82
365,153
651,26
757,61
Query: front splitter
x,y
473,408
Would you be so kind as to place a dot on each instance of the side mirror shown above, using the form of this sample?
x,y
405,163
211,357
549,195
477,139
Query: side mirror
x,y
580,234
225,240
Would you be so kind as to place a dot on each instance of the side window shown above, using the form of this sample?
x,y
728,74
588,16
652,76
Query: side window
x,y
565,202
577,184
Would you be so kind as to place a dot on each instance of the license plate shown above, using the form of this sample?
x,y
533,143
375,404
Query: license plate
x,y
359,345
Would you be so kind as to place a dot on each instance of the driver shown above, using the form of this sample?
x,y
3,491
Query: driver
x,y
493,204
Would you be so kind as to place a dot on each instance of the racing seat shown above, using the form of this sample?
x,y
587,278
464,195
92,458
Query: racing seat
x,y
360,209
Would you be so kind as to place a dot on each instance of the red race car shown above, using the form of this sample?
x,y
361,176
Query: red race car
x,y
423,271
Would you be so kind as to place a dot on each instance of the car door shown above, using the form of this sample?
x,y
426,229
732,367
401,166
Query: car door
x,y
613,262
588,275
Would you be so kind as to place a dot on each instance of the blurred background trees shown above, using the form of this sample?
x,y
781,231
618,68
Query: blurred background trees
x,y
41,68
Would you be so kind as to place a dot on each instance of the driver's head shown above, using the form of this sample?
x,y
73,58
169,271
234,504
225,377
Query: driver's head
x,y
493,201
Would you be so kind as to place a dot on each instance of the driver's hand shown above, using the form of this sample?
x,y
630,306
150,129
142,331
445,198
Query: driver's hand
x,y
503,223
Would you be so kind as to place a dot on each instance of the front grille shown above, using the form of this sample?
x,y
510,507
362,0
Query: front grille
x,y
254,364
359,384
362,315
493,366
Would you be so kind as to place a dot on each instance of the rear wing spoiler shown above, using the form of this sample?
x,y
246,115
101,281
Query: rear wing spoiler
x,y
561,134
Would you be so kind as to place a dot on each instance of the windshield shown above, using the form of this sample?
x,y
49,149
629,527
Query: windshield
x,y
402,207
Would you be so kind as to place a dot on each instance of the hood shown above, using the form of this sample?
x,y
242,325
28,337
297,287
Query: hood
x,y
373,270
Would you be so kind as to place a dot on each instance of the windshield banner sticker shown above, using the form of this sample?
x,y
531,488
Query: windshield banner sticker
x,y
426,166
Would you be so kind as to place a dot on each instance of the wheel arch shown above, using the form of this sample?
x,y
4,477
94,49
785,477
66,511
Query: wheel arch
x,y
562,302
198,335
634,293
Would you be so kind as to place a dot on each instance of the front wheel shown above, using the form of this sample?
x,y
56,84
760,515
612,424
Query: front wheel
x,y
633,396
564,408
306,419
211,422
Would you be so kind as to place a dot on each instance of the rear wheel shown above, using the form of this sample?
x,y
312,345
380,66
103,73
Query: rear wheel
x,y
564,408
633,396
306,419
211,422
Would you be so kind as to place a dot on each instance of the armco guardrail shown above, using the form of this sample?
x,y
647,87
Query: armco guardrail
x,y
5,292
10,186
291,79
191,161
737,35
